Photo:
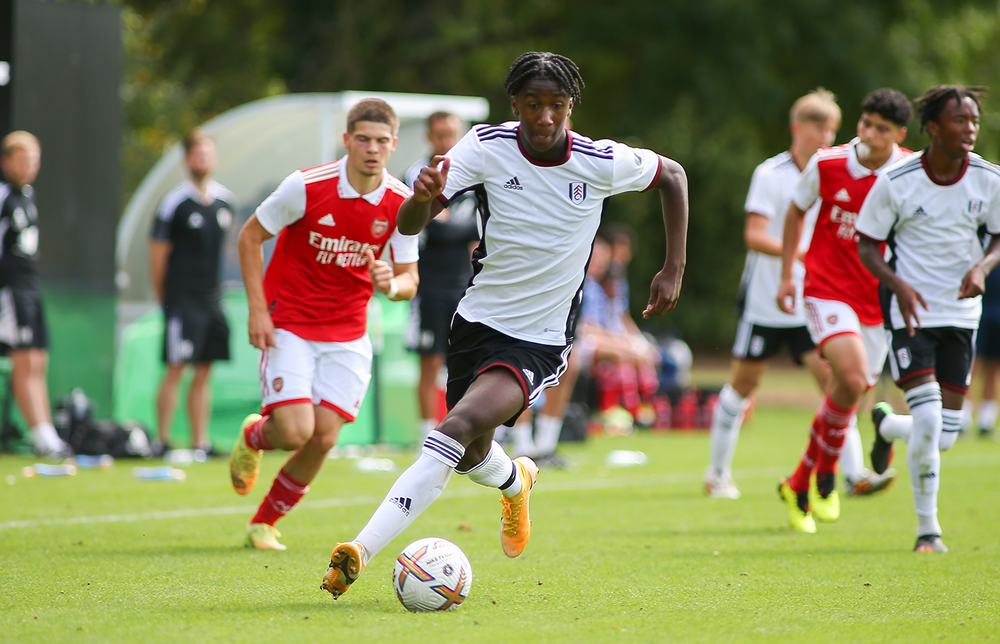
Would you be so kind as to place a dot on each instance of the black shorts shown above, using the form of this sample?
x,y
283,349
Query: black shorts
x,y
194,334
22,319
758,342
988,337
943,351
474,348
430,320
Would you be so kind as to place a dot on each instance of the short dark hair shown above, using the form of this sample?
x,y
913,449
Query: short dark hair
x,y
616,232
890,104
439,116
373,110
929,105
544,64
194,137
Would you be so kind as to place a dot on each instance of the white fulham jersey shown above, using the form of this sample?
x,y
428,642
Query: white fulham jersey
x,y
537,224
930,227
770,194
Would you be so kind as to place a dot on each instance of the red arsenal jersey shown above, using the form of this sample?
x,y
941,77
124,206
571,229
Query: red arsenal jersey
x,y
317,282
833,269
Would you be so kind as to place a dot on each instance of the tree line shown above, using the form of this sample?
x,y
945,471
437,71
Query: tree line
x,y
708,83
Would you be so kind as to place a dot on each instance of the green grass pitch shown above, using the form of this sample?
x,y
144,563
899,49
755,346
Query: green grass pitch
x,y
617,555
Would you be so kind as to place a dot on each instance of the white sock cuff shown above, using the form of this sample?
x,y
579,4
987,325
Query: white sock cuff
x,y
928,392
731,402
490,455
444,448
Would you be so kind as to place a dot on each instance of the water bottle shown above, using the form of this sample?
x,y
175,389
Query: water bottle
x,y
44,470
165,473
102,462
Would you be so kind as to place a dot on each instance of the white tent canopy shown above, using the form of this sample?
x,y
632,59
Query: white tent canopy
x,y
258,145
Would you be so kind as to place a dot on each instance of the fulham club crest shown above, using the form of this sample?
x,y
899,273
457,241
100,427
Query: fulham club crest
x,y
379,226
577,192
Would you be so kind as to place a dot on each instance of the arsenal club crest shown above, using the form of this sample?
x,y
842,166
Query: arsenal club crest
x,y
577,192
278,383
379,226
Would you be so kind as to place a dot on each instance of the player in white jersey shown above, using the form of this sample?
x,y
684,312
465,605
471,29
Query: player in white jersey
x,y
930,206
764,328
541,189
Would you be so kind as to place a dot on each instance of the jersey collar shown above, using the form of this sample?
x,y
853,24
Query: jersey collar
x,y
545,164
346,191
859,171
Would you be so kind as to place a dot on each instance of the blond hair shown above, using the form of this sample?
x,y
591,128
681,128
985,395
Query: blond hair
x,y
19,140
819,105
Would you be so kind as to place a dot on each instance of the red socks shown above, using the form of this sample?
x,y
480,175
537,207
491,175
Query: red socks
x,y
285,492
826,438
254,435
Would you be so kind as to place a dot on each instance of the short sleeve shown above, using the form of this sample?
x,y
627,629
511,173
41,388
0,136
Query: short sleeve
x,y
284,206
465,166
404,249
992,216
635,169
877,216
760,196
164,219
807,190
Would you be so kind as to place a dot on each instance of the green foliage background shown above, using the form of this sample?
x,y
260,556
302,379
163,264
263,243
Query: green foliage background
x,y
708,83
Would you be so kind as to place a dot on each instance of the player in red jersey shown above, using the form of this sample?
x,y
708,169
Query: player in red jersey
x,y
308,314
840,295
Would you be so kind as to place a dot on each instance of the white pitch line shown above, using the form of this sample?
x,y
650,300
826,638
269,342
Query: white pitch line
x,y
965,460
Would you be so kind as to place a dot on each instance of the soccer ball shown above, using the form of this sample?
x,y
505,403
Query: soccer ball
x,y
432,574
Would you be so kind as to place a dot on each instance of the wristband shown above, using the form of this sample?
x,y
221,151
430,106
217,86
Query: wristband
x,y
393,289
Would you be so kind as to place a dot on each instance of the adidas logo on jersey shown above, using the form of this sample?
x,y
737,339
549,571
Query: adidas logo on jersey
x,y
530,375
513,184
920,212
842,195
327,220
402,503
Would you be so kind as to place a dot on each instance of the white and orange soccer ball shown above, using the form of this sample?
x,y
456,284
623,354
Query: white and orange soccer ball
x,y
432,574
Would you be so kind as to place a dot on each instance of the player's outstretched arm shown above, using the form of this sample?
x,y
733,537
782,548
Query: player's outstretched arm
x,y
791,235
250,245
974,282
906,296
666,286
420,207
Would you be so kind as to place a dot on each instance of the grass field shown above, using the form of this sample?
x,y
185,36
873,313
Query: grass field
x,y
617,555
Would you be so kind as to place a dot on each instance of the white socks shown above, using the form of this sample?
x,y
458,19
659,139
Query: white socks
x,y
987,415
852,459
726,420
522,443
413,492
46,438
547,434
951,425
497,470
923,455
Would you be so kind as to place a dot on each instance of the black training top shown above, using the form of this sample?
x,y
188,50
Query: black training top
x,y
18,237
196,230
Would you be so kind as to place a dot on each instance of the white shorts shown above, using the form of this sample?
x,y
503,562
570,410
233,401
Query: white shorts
x,y
827,319
332,374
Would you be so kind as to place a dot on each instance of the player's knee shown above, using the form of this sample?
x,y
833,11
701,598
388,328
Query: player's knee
x,y
855,383
295,432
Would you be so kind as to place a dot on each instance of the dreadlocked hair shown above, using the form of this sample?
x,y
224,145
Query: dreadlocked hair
x,y
929,105
544,64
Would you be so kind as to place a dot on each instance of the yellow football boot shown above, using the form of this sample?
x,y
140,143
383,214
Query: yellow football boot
x,y
263,537
516,526
799,518
244,462
824,508
346,563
